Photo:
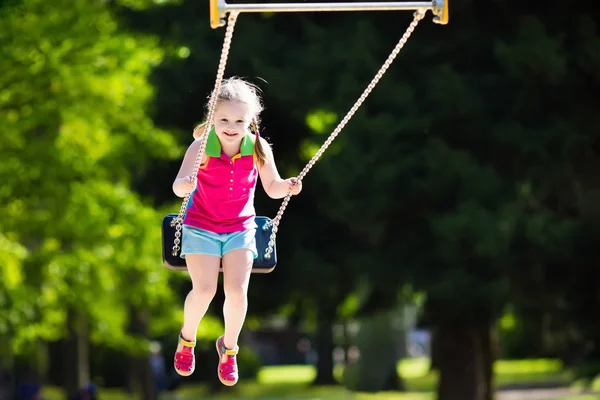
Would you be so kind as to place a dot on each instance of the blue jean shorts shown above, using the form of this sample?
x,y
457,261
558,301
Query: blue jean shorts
x,y
200,241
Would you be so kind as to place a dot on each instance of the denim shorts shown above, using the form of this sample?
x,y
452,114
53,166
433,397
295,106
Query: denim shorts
x,y
200,241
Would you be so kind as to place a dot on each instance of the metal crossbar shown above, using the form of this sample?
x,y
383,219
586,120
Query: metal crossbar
x,y
220,8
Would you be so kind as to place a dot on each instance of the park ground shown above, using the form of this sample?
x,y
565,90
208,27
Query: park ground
x,y
540,379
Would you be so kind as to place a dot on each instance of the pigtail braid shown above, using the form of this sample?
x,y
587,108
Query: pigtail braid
x,y
198,130
261,156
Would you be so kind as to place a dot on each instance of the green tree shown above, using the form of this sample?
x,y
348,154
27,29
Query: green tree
x,y
479,200
449,178
76,135
553,139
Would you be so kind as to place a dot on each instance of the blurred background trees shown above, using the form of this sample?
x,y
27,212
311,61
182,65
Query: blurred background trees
x,y
466,188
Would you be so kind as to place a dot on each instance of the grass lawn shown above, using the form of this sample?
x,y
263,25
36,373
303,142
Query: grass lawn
x,y
415,373
291,383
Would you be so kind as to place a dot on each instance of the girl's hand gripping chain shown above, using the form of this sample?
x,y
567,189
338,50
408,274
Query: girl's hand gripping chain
x,y
294,185
185,185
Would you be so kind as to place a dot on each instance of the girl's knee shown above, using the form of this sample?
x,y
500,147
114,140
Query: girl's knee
x,y
236,291
204,290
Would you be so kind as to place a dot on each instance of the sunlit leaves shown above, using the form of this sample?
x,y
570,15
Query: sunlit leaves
x,y
321,121
74,99
144,4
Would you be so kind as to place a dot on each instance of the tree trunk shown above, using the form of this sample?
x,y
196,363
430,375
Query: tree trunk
x,y
7,368
460,363
141,376
76,355
324,346
489,350
434,352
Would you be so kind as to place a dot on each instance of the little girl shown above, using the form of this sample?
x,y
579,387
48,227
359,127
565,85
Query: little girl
x,y
219,223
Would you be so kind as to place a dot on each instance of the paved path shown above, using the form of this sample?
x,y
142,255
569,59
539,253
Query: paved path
x,y
542,394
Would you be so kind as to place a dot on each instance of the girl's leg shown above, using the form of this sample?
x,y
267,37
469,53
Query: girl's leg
x,y
204,272
237,267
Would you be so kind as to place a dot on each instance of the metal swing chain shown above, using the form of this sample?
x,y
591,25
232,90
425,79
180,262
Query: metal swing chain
x,y
418,15
178,221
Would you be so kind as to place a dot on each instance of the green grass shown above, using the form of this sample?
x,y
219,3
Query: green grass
x,y
292,383
513,373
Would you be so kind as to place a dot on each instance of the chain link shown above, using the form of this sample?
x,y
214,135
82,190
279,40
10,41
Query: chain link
x,y
178,221
418,16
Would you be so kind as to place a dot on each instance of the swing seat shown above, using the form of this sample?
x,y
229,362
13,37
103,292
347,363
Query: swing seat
x,y
261,265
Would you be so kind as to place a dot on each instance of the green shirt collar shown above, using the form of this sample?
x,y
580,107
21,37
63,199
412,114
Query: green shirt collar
x,y
213,146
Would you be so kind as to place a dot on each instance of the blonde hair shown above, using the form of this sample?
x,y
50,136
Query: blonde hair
x,y
237,89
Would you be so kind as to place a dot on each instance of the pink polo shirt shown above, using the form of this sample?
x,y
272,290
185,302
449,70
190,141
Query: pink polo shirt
x,y
223,201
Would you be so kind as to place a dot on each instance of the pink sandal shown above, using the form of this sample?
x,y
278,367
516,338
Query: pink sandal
x,y
184,362
227,371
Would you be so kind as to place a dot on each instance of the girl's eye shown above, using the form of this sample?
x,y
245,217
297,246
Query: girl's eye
x,y
223,120
239,121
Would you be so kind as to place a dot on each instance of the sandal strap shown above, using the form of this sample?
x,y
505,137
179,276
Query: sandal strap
x,y
185,342
231,352
225,350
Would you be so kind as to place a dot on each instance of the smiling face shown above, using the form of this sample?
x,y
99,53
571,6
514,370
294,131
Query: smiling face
x,y
232,119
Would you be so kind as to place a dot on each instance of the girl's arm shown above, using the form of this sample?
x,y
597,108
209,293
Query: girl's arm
x,y
273,184
184,183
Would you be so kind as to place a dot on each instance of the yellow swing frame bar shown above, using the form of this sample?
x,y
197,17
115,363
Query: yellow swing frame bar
x,y
220,8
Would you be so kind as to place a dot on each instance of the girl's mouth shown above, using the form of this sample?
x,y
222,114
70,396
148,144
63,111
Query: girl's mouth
x,y
230,134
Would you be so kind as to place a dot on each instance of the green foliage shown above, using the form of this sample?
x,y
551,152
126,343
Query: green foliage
x,y
145,4
76,131
470,173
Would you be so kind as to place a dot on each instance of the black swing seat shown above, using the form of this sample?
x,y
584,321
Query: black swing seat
x,y
261,265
